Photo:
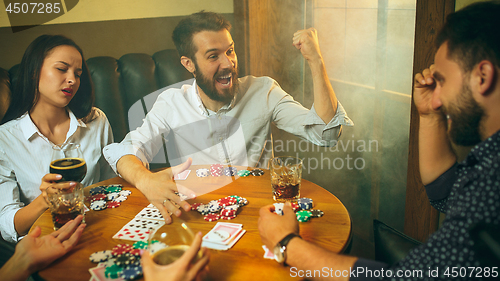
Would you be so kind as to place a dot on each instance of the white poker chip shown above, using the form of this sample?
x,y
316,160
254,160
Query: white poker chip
x,y
214,206
154,247
112,196
98,205
232,207
100,256
109,262
120,198
125,192
202,173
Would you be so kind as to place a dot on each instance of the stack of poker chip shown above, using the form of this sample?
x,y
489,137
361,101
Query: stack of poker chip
x,y
303,209
110,196
217,170
224,208
123,261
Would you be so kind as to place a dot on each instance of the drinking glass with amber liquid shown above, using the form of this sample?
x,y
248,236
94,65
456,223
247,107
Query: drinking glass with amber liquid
x,y
65,205
286,175
170,242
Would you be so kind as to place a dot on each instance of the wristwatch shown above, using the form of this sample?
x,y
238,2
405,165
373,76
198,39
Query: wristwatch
x,y
279,250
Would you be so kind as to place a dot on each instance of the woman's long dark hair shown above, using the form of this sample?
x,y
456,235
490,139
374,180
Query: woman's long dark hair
x,y
25,89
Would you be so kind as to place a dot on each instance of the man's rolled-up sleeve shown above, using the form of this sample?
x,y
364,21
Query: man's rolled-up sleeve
x,y
326,134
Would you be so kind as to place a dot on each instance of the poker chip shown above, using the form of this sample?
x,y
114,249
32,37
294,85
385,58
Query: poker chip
x,y
130,273
116,185
120,198
230,171
232,207
303,215
226,201
278,208
243,173
136,252
257,172
216,170
155,246
113,271
140,245
114,204
121,249
295,206
227,213
228,217
194,206
113,195
203,209
100,256
317,213
125,192
98,205
242,202
109,262
211,217
125,259
112,189
202,173
96,197
214,206
97,190
305,203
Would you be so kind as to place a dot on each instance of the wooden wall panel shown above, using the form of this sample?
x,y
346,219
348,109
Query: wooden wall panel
x,y
421,219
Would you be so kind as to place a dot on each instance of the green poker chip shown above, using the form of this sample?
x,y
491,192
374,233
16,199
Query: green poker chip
x,y
140,245
303,215
243,173
112,189
113,271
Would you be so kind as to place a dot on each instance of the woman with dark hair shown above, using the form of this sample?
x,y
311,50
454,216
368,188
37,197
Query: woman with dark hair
x,y
52,104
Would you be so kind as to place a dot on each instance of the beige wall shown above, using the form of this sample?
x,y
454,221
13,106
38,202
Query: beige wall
x,y
105,10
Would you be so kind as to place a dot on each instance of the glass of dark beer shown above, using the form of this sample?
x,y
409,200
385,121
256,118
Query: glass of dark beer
x,y
67,204
169,242
286,175
67,160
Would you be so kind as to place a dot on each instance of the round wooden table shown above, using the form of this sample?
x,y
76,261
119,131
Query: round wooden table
x,y
244,261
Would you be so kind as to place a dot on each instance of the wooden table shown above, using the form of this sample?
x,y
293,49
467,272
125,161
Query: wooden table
x,y
242,262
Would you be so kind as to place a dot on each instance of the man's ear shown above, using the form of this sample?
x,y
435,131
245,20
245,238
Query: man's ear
x,y
188,64
484,77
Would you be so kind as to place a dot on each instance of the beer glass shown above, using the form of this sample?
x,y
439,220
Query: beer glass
x,y
170,242
67,160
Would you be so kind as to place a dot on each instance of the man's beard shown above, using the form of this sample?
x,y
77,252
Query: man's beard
x,y
466,115
208,85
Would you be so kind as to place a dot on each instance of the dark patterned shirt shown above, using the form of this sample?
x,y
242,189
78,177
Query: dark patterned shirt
x,y
469,193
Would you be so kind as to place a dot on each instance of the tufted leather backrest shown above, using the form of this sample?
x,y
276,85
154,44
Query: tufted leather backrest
x,y
119,84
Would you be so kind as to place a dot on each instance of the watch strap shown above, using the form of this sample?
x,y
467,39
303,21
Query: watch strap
x,y
284,242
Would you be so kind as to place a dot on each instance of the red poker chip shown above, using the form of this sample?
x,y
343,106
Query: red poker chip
x,y
121,249
226,201
135,252
114,204
295,206
211,217
97,197
195,206
228,213
228,217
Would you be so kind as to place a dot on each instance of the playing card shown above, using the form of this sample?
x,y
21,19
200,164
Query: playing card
x,y
222,247
222,233
97,274
268,254
138,229
150,213
182,176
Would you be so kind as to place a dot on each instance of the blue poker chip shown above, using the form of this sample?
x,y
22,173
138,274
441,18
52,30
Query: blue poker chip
x,y
97,190
230,171
131,272
305,203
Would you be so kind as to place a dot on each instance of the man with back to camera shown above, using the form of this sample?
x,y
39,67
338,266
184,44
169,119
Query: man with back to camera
x,y
220,118
457,98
